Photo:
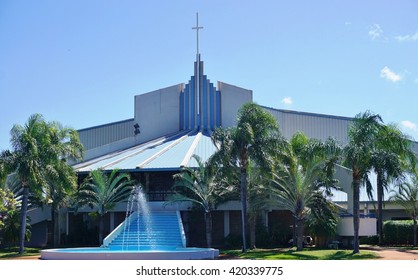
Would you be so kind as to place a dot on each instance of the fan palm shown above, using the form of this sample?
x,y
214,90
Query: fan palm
x,y
102,191
295,190
201,186
323,219
302,177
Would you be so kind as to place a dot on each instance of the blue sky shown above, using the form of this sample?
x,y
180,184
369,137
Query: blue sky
x,y
82,62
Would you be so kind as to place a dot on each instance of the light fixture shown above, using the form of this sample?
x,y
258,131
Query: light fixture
x,y
136,131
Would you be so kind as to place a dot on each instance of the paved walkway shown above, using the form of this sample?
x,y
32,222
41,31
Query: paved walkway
x,y
393,253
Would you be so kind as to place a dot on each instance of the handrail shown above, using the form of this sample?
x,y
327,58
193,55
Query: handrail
x,y
115,232
182,233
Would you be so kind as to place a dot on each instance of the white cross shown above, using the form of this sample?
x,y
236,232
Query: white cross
x,y
197,27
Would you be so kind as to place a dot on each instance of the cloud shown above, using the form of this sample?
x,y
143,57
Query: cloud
x,y
375,31
390,75
287,100
416,81
409,125
407,38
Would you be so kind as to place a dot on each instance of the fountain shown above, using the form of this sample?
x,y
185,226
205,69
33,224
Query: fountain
x,y
144,235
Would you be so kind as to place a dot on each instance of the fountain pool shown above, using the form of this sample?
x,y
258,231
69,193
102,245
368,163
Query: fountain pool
x,y
98,253
144,235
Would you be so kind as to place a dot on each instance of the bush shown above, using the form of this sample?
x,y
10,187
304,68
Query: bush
x,y
232,241
398,232
370,240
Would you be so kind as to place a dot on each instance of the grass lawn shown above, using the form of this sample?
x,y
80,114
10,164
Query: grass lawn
x,y
12,253
306,254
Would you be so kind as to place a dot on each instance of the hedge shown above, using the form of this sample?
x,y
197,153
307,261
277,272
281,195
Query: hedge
x,y
398,232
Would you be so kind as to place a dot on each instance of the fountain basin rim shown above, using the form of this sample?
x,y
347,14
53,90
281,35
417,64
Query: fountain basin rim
x,y
100,253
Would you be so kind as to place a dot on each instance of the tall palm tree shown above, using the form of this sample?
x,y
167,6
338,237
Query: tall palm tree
x,y
200,186
36,151
102,191
362,134
27,160
407,197
60,178
391,157
256,137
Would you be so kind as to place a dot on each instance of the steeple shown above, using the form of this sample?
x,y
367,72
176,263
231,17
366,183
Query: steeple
x,y
199,101
197,28
197,70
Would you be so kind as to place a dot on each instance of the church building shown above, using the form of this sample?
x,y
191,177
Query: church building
x,y
172,124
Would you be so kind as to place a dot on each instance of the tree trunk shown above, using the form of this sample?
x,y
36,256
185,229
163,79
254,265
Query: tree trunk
x,y
244,207
415,231
24,214
380,207
101,229
299,230
55,225
356,212
253,220
53,222
208,222
294,232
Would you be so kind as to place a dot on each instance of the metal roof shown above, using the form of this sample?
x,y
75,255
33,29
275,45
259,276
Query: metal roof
x,y
170,152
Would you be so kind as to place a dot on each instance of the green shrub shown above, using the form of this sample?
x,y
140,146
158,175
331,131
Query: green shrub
x,y
398,232
370,240
232,241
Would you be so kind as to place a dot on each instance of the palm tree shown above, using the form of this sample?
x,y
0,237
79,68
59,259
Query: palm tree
x,y
296,190
392,155
57,193
37,151
407,197
29,143
10,210
302,177
323,219
362,136
60,178
102,191
259,198
256,137
201,186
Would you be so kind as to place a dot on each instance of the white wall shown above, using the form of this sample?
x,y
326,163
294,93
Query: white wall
x,y
232,98
367,226
158,112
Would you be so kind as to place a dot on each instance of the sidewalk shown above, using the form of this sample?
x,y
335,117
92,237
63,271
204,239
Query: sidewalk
x,y
393,253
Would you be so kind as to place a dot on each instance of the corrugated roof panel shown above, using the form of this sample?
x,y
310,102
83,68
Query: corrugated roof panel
x,y
105,162
129,158
134,161
173,157
204,149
